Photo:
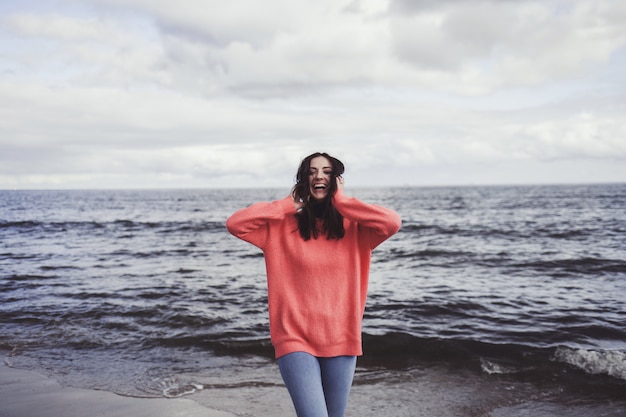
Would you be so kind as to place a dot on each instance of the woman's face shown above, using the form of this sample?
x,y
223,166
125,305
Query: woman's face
x,y
320,175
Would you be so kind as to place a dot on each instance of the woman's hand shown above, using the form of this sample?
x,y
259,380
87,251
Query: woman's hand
x,y
298,204
339,180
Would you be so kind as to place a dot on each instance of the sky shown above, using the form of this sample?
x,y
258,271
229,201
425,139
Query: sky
x,y
100,94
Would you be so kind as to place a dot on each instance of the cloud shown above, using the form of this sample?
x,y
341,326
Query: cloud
x,y
268,48
54,26
492,44
586,135
196,93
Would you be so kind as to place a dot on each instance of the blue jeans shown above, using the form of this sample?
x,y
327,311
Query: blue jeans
x,y
319,387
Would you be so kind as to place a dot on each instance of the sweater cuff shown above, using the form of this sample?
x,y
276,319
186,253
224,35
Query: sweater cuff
x,y
339,195
287,206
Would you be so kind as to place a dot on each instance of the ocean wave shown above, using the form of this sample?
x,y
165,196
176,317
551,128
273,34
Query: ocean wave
x,y
586,265
397,350
162,386
122,225
400,350
427,253
612,362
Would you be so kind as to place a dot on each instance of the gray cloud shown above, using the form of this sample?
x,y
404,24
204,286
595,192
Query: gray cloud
x,y
513,43
109,93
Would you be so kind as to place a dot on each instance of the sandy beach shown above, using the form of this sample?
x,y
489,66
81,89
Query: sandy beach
x,y
27,393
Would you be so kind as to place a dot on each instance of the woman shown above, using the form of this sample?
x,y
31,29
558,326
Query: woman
x,y
317,244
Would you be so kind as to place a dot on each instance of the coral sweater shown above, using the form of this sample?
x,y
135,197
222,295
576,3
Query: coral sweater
x,y
316,288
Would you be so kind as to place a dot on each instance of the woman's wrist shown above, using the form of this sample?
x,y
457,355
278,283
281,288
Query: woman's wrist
x,y
298,204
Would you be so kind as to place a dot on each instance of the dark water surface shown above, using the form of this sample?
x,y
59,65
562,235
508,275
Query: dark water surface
x,y
145,293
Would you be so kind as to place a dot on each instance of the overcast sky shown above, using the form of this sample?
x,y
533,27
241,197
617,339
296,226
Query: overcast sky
x,y
203,93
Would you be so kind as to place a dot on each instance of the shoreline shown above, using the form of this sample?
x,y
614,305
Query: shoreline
x,y
25,393
413,392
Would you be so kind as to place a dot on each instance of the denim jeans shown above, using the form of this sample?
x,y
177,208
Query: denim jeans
x,y
319,387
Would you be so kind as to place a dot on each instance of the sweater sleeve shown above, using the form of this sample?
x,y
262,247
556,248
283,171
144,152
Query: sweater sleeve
x,y
252,223
380,222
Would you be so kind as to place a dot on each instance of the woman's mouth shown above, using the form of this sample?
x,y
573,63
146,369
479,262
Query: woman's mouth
x,y
319,191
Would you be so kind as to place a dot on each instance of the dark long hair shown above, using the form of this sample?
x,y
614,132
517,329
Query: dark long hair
x,y
332,219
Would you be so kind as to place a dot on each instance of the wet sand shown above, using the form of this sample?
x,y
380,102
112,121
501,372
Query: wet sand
x,y
414,392
27,393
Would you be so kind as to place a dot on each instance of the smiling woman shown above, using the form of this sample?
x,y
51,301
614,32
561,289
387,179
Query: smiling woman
x,y
318,177
317,285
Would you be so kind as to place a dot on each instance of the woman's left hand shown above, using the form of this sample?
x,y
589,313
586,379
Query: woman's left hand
x,y
339,182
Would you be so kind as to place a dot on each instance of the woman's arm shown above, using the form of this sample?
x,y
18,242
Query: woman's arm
x,y
381,221
251,223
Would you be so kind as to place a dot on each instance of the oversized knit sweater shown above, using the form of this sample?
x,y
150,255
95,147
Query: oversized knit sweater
x,y
316,288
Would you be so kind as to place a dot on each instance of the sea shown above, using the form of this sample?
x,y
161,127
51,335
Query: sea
x,y
491,301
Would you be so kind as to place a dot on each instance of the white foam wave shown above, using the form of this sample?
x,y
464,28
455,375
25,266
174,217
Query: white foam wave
x,y
179,390
611,362
491,367
172,387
